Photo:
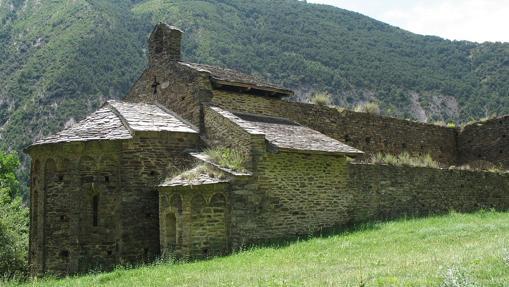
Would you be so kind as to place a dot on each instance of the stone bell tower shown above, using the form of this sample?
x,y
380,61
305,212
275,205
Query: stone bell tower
x,y
164,44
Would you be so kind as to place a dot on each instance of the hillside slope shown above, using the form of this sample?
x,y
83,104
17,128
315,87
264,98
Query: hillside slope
x,y
59,60
457,248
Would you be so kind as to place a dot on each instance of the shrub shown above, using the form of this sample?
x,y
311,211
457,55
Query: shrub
x,y
13,221
321,99
370,108
228,158
404,159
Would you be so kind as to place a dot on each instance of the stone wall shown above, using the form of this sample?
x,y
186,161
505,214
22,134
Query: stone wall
x,y
146,161
369,133
384,192
194,220
66,234
291,193
485,141
223,132
94,204
177,87
295,194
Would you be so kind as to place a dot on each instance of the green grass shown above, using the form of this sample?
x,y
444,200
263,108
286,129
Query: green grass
x,y
227,157
416,252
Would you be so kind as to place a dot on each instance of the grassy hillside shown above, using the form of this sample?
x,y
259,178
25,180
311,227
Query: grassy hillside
x,y
457,248
60,59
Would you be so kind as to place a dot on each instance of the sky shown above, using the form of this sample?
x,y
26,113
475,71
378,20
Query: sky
x,y
472,20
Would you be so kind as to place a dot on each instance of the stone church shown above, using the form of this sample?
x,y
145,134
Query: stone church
x,y
111,189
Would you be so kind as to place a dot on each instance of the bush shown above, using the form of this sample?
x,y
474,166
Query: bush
x,y
404,159
228,158
321,99
370,108
13,221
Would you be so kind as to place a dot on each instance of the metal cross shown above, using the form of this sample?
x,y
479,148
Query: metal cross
x,y
155,84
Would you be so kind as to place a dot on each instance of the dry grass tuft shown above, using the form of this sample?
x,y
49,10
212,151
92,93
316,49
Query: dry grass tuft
x,y
370,108
404,159
321,99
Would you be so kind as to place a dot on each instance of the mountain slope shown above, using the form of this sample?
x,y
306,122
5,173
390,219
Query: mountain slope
x,y
60,59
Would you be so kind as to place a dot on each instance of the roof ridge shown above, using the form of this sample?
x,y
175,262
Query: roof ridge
x,y
120,116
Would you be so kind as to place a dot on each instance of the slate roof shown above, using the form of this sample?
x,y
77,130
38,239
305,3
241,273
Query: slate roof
x,y
288,135
102,124
148,117
229,77
117,120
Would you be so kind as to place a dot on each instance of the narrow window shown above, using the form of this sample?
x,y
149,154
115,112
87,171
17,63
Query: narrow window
x,y
95,210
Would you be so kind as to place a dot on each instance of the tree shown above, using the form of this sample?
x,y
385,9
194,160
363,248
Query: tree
x,y
14,220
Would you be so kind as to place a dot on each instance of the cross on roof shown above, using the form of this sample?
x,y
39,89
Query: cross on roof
x,y
155,84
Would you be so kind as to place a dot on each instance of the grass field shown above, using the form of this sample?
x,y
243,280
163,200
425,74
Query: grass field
x,y
452,250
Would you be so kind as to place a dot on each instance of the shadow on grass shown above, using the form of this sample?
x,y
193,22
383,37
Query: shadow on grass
x,y
351,229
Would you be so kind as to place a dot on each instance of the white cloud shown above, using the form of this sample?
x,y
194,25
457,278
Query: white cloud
x,y
474,20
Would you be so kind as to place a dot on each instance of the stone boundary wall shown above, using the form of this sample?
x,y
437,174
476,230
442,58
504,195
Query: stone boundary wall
x,y
326,192
485,141
369,133
385,192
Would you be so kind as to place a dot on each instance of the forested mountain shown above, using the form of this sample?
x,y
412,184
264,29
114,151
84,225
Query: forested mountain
x,y
59,60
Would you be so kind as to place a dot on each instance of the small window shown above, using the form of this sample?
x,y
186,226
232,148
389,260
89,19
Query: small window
x,y
347,138
64,253
95,210
403,145
106,178
368,140
60,178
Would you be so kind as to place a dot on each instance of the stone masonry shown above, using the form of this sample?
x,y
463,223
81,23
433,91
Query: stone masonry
x,y
115,188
